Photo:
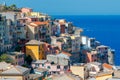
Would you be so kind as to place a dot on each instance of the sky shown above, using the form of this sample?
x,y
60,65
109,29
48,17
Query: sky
x,y
70,7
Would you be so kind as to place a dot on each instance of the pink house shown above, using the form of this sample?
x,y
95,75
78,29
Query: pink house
x,y
59,63
51,66
26,10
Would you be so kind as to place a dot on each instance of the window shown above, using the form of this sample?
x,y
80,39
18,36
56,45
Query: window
x,y
18,28
92,55
95,60
52,63
15,57
37,65
42,65
48,67
58,67
65,67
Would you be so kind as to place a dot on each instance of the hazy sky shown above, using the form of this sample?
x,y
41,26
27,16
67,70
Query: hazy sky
x,y
71,7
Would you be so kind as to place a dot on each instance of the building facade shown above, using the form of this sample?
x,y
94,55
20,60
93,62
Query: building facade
x,y
35,49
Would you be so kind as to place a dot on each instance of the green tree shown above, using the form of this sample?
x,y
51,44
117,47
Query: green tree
x,y
18,48
28,59
6,58
13,7
5,8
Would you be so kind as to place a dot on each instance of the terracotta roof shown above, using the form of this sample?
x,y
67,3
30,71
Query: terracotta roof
x,y
61,23
39,23
107,66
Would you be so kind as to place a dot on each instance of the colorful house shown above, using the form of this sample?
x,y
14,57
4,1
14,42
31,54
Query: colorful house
x,y
41,16
51,67
26,10
102,53
21,29
6,37
36,77
107,67
18,58
51,49
38,30
35,49
11,72
54,63
32,19
78,70
62,23
93,68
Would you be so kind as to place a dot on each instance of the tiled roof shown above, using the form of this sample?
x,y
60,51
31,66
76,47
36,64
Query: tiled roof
x,y
40,61
61,23
34,42
8,79
11,71
15,70
4,65
21,69
39,23
40,70
66,77
61,55
34,76
107,66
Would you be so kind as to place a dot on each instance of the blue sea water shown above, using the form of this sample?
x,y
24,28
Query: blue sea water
x,y
105,28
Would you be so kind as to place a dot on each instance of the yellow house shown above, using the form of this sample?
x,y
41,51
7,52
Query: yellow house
x,y
35,49
78,70
103,75
37,14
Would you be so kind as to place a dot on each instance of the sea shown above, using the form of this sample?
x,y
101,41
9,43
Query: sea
x,y
105,28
